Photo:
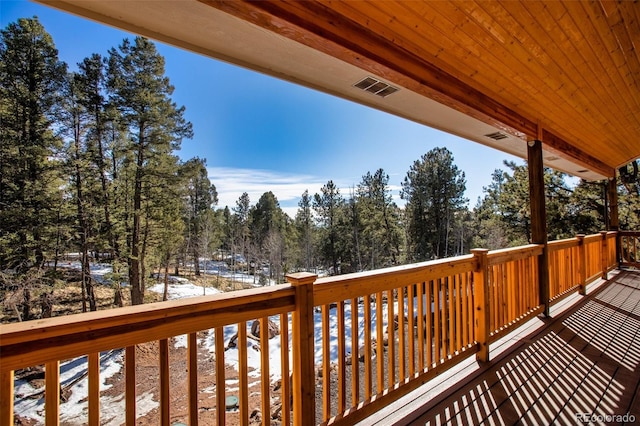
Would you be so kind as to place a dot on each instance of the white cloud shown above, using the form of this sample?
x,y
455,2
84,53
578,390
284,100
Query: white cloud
x,y
287,187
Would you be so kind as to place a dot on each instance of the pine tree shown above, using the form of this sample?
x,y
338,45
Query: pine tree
x,y
155,126
266,225
241,226
434,189
304,226
76,126
201,196
31,78
381,234
329,207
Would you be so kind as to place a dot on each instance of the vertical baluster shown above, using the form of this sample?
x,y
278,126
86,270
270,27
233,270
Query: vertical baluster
x,y
342,369
265,384
379,343
93,370
515,291
192,373
421,319
368,382
326,365
243,373
6,402
428,320
513,282
391,353
435,312
52,393
457,284
442,285
221,405
451,316
411,331
164,382
284,356
464,288
503,308
402,372
493,285
355,356
130,385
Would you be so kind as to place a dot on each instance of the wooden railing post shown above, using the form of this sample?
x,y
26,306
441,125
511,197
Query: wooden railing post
x,y
604,255
582,264
304,383
481,299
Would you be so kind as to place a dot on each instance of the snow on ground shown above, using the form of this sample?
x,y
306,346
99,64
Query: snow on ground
x,y
183,290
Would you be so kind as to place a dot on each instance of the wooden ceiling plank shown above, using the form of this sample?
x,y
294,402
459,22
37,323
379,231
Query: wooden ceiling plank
x,y
585,40
483,76
610,52
626,31
549,109
580,40
621,109
629,73
571,71
447,21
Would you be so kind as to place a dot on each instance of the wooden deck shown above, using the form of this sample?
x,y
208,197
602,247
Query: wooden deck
x,y
583,360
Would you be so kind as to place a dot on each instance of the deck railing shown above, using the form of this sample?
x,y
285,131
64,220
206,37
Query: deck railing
x,y
368,338
629,248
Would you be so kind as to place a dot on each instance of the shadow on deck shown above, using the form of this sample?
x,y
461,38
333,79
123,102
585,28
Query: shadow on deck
x,y
578,367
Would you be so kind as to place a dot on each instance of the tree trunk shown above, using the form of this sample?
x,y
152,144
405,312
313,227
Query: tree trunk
x,y
87,287
135,282
165,294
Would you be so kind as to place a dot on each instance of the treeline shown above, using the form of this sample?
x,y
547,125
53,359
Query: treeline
x,y
88,165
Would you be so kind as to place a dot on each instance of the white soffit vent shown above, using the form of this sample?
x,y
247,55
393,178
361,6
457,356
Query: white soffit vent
x,y
497,136
375,86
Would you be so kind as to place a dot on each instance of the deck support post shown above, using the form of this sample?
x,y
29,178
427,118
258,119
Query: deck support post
x,y
304,384
539,218
582,264
482,303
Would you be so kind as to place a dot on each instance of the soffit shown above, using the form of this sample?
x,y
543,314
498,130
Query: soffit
x,y
567,73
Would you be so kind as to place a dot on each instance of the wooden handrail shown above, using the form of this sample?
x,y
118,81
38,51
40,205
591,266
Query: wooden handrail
x,y
344,287
563,244
37,342
495,257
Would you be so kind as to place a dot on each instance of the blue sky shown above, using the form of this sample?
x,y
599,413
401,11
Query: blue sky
x,y
261,134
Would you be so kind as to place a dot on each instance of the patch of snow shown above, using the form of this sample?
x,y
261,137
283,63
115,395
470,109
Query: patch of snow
x,y
183,290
